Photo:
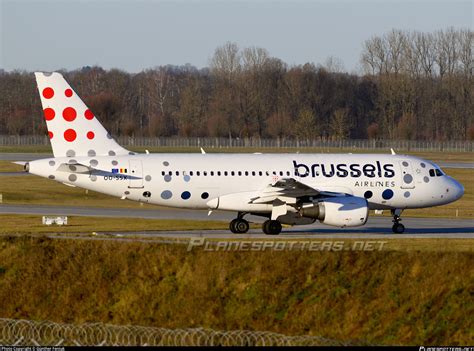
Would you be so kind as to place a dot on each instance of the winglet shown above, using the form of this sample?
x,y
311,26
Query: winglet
x,y
393,151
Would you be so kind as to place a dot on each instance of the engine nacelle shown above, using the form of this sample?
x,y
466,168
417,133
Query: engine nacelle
x,y
347,211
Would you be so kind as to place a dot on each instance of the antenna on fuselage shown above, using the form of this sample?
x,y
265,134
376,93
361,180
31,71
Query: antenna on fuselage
x,y
393,151
202,151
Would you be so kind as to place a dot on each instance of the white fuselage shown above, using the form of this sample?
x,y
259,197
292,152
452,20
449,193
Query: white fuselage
x,y
193,180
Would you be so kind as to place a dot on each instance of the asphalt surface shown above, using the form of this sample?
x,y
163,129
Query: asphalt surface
x,y
376,227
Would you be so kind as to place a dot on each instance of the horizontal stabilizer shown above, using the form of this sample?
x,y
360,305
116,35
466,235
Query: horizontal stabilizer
x,y
74,168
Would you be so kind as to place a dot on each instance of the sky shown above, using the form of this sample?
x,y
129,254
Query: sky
x,y
136,35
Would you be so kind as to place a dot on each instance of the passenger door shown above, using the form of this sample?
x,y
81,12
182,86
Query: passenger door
x,y
407,175
136,174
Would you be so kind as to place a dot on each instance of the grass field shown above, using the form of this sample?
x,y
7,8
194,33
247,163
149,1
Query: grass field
x,y
389,297
7,166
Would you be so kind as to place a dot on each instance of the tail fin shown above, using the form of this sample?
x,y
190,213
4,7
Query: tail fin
x,y
72,127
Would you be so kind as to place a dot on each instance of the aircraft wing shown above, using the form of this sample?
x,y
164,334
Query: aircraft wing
x,y
289,190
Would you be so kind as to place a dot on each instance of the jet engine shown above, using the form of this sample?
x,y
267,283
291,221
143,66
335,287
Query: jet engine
x,y
346,211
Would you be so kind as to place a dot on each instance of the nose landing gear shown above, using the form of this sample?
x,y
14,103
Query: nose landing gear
x,y
397,227
239,225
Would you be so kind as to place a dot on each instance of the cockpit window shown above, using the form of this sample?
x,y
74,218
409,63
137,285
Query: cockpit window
x,y
438,172
432,172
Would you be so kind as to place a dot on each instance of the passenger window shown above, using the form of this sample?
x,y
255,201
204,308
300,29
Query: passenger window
x,y
177,173
198,173
170,173
246,173
225,173
232,173
212,173
239,173
267,173
219,173
288,173
204,173
432,173
191,173
274,173
253,173
260,173
162,173
281,173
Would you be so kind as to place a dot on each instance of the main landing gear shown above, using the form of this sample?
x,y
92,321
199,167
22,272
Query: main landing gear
x,y
397,227
271,227
240,226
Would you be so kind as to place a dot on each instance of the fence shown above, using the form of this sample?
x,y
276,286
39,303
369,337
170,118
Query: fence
x,y
30,333
348,144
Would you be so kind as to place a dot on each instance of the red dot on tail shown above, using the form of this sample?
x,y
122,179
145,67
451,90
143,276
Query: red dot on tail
x,y
68,92
49,113
88,114
48,93
70,135
50,134
69,114
90,135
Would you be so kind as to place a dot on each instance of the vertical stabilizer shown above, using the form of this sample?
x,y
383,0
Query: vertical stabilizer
x,y
72,127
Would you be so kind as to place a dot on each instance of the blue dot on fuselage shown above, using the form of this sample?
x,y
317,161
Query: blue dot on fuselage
x,y
185,195
166,194
368,194
387,194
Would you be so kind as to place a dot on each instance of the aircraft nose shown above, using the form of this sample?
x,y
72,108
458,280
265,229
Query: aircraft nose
x,y
458,189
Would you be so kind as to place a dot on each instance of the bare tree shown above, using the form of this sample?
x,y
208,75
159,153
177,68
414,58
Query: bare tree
x,y
334,65
425,52
375,55
446,51
254,58
465,44
394,43
226,61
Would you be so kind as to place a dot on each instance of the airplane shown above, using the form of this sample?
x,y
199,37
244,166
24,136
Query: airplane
x,y
293,189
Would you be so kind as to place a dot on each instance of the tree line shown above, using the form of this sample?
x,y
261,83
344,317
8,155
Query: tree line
x,y
412,85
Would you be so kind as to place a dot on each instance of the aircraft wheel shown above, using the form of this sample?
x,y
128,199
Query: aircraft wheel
x,y
232,226
271,227
398,228
239,226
